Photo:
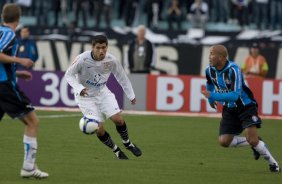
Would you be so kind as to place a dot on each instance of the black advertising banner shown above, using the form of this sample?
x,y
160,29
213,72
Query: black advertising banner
x,y
173,59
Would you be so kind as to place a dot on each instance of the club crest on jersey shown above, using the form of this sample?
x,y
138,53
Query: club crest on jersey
x,y
97,77
227,81
107,66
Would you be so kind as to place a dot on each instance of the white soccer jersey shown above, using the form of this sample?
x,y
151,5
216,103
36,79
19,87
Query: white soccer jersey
x,y
85,72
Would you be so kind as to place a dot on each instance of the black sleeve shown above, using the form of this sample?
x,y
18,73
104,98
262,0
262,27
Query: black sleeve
x,y
149,54
130,54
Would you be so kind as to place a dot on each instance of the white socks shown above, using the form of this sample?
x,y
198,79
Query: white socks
x,y
30,148
261,148
263,151
239,142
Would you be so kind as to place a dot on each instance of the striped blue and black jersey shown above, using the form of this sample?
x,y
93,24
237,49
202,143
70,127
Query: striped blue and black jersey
x,y
8,46
228,86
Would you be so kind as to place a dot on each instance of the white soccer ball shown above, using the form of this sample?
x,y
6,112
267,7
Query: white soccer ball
x,y
88,125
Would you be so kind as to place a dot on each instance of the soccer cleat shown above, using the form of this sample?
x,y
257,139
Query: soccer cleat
x,y
120,155
255,153
274,168
134,149
36,173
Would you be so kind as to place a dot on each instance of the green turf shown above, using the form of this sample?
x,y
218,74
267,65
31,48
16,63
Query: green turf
x,y
176,150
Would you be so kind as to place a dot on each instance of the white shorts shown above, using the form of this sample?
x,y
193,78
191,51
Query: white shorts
x,y
103,103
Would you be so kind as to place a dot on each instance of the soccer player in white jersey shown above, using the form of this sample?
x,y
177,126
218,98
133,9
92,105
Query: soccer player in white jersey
x,y
88,75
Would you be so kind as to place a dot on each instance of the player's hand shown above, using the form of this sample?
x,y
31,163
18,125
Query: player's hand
x,y
26,62
26,75
213,105
206,93
84,92
133,102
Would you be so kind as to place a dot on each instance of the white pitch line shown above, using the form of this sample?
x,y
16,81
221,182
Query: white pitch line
x,y
184,114
59,116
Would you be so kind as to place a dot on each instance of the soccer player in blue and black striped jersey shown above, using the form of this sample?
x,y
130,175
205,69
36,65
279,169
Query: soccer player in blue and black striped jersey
x,y
12,100
226,85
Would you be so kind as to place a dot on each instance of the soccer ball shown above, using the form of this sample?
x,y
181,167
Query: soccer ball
x,y
88,125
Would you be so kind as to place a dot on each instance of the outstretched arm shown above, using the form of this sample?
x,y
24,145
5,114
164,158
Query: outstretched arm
x,y
26,75
4,58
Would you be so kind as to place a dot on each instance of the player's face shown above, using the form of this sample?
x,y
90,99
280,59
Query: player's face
x,y
214,58
100,50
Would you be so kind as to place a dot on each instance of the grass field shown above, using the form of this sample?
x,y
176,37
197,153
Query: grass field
x,y
176,150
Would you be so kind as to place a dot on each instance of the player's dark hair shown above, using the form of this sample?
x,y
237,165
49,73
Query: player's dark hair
x,y
11,12
99,39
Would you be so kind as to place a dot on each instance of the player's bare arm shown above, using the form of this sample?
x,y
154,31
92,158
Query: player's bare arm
x,y
9,59
26,75
26,62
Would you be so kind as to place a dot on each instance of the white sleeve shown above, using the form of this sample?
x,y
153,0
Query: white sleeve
x,y
71,73
123,80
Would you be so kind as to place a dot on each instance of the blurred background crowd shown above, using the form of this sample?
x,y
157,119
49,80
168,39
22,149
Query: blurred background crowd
x,y
155,14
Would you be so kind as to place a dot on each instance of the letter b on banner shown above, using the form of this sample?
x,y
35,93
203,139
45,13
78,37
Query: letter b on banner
x,y
169,95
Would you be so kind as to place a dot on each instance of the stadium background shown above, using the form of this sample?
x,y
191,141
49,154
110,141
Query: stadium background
x,y
180,54
176,149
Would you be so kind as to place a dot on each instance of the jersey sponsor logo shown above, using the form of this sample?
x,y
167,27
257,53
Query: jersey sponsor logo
x,y
95,84
95,81
222,90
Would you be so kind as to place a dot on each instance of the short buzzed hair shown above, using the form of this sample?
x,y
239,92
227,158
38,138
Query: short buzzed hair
x,y
99,39
11,12
221,50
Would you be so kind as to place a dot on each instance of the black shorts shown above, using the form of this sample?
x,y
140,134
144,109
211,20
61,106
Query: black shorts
x,y
13,101
235,120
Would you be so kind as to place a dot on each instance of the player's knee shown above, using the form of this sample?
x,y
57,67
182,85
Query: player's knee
x,y
31,120
101,131
33,123
118,121
223,142
253,141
